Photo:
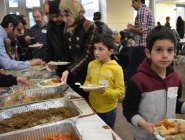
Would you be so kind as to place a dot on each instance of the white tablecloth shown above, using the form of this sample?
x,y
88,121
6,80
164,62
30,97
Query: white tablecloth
x,y
96,118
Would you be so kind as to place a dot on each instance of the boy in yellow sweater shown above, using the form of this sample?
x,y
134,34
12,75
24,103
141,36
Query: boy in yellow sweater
x,y
108,72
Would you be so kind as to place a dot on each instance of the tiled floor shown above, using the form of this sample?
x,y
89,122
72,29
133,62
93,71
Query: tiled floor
x,y
122,127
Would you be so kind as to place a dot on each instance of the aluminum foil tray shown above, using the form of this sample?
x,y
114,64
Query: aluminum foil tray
x,y
62,102
35,74
44,131
34,83
20,100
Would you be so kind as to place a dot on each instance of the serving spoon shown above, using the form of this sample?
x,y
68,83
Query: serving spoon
x,y
78,84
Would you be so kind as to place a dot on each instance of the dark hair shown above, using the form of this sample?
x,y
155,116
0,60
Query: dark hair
x,y
97,16
123,38
167,18
179,20
9,19
159,24
142,1
159,33
20,18
106,39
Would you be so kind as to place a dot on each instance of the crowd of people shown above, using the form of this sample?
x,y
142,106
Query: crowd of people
x,y
88,46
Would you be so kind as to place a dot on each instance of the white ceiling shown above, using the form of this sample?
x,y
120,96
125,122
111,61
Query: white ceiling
x,y
172,1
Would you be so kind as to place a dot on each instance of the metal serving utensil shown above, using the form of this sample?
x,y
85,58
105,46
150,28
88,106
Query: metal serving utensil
x,y
78,84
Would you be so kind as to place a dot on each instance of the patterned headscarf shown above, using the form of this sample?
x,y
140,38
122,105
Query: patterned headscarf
x,y
72,7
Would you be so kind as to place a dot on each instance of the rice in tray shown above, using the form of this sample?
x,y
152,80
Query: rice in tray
x,y
19,97
35,117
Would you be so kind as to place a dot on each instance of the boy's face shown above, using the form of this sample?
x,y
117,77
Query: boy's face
x,y
101,52
162,54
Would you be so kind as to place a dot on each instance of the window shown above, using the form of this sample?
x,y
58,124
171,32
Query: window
x,y
90,7
32,3
15,13
13,3
32,22
180,11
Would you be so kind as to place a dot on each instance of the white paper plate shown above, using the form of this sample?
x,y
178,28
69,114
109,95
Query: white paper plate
x,y
159,137
35,45
37,68
58,63
59,84
91,88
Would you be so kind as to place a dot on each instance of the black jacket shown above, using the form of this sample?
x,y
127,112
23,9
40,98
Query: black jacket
x,y
55,50
7,80
80,47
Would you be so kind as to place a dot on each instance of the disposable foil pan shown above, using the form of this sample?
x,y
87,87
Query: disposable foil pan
x,y
44,131
35,74
34,83
20,101
62,102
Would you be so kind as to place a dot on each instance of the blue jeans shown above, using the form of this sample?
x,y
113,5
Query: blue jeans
x,y
136,58
109,117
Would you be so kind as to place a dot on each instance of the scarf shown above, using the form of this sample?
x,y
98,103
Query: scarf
x,y
7,43
72,7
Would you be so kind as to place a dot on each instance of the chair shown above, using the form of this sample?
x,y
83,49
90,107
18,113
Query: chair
x,y
123,61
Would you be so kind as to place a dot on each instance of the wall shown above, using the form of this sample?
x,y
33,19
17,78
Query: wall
x,y
117,13
2,10
163,10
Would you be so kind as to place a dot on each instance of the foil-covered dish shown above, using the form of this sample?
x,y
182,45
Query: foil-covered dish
x,y
34,83
35,74
20,96
4,90
44,132
30,116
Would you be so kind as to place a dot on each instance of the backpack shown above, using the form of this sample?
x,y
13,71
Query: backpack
x,y
99,26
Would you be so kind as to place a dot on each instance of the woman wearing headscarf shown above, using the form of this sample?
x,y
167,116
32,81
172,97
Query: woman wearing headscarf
x,y
78,42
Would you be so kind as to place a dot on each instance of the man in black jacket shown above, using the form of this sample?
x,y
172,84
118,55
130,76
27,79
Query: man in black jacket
x,y
55,51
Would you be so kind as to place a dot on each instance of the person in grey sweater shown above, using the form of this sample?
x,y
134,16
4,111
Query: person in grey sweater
x,y
102,27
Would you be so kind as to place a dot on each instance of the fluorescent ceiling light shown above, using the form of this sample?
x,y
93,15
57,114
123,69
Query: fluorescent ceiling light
x,y
180,1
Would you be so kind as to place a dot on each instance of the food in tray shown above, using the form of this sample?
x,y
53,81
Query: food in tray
x,y
34,118
50,82
36,75
37,67
58,63
20,98
60,137
173,129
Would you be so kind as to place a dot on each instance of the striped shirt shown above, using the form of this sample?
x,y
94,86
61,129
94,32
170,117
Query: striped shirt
x,y
144,21
40,36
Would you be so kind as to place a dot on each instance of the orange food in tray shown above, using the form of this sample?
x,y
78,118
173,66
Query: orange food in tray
x,y
60,137
56,80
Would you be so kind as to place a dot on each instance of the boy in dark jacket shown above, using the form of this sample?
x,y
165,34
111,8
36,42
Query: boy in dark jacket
x,y
157,95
